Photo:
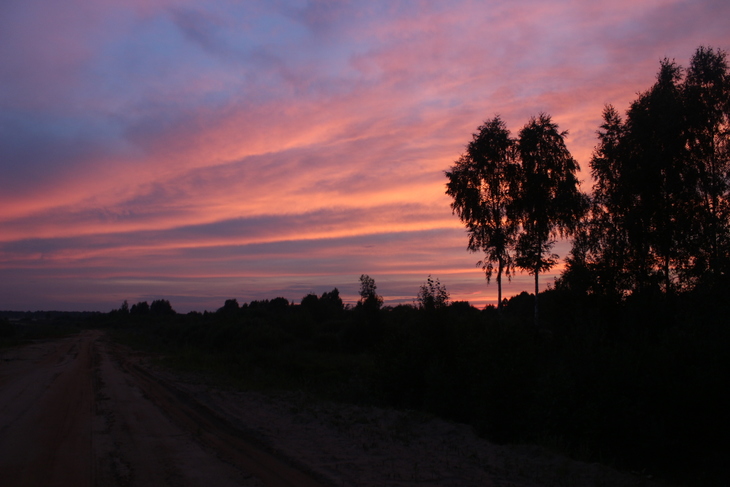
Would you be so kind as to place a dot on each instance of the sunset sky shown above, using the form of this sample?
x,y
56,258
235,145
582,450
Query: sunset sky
x,y
198,151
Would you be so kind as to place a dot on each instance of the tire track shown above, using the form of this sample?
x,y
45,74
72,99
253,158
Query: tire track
x,y
230,443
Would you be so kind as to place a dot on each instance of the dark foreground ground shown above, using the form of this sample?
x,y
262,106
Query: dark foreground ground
x,y
82,411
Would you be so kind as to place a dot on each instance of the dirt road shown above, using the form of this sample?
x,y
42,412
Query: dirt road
x,y
83,411
78,412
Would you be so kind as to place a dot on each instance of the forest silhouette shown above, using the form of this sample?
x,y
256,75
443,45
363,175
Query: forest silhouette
x,y
628,363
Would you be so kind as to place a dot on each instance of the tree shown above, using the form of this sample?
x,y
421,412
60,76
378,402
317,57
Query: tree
x,y
161,307
369,298
332,302
278,304
142,308
432,295
707,106
656,182
598,259
660,216
480,184
230,307
546,201
328,306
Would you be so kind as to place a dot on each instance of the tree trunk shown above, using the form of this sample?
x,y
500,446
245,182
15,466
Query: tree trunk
x,y
499,286
537,273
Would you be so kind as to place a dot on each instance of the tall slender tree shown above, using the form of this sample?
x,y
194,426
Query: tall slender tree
x,y
547,202
655,178
480,184
600,247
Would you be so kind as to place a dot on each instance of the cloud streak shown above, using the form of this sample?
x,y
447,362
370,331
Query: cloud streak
x,y
206,151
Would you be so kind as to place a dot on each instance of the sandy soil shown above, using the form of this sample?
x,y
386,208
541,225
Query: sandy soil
x,y
83,411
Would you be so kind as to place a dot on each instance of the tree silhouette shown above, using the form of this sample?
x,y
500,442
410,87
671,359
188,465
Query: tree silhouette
x,y
369,298
547,202
230,307
707,102
142,308
432,295
328,306
479,184
332,302
660,215
655,178
598,259
161,307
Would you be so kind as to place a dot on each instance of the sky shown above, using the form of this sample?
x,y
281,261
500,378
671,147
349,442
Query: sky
x,y
198,151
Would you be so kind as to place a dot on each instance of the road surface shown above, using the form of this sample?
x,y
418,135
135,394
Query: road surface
x,y
80,412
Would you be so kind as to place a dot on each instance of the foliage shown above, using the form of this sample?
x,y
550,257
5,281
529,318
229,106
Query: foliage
x,y
660,212
547,201
140,309
481,184
370,300
432,295
161,307
230,307
516,196
327,307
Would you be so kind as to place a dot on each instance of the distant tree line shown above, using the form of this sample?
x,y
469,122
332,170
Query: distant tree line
x,y
158,308
431,295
